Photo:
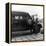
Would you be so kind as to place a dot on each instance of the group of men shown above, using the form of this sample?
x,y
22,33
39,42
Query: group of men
x,y
34,25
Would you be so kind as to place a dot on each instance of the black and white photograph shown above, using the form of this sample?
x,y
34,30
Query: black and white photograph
x,y
22,22
27,22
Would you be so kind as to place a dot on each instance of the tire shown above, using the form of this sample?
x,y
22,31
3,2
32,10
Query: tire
x,y
36,31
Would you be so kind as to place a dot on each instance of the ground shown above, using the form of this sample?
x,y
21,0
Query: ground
x,y
38,36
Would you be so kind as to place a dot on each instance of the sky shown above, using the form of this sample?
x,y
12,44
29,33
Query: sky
x,y
32,10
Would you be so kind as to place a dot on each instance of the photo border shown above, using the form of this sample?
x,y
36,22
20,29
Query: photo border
x,y
28,5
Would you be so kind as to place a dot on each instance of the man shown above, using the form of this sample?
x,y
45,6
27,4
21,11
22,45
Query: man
x,y
30,25
37,26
